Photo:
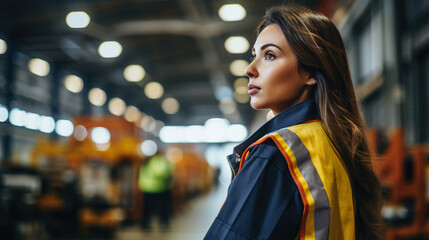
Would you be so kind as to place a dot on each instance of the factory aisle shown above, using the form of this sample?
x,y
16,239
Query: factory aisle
x,y
191,223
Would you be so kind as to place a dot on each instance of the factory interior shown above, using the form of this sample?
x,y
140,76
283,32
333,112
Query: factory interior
x,y
91,90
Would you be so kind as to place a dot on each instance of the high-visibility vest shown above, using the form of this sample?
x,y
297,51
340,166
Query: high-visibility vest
x,y
321,178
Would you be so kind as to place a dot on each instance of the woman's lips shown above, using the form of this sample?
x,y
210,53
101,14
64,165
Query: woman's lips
x,y
253,89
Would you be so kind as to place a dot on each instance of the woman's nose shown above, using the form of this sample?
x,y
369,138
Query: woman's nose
x,y
251,71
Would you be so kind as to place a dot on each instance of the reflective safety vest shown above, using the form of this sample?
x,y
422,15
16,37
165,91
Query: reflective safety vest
x,y
321,178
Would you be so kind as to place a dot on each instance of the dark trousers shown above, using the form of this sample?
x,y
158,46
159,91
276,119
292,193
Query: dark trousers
x,y
156,204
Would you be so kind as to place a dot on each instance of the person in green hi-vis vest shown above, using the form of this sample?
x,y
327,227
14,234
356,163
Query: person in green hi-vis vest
x,y
155,181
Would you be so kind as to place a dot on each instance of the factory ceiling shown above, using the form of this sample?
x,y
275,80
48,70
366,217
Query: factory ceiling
x,y
179,43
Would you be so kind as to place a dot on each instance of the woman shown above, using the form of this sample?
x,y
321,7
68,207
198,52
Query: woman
x,y
306,173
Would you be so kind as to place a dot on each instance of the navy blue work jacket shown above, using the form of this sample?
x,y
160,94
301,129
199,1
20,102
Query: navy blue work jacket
x,y
263,201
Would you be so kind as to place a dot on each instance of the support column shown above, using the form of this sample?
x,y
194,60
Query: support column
x,y
10,76
55,97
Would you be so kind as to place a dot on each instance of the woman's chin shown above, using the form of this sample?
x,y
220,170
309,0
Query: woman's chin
x,y
256,105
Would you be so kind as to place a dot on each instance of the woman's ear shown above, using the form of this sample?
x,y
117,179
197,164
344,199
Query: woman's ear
x,y
310,79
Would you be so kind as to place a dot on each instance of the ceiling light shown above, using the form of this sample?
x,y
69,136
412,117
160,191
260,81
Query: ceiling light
x,y
39,67
132,114
100,135
154,90
149,148
215,130
232,12
110,49
77,19
237,44
117,106
73,83
145,122
64,128
194,133
102,146
237,133
237,67
18,117
33,121
80,133
228,106
170,105
240,85
239,82
148,123
3,46
4,114
97,96
47,124
223,93
134,73
242,98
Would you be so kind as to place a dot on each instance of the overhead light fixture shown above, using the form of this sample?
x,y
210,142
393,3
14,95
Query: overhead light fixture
x,y
237,132
117,106
170,105
77,19
240,85
237,67
97,96
73,83
237,44
4,114
18,117
100,135
39,67
80,133
154,90
110,49
134,73
228,106
47,124
232,12
64,128
149,148
33,121
3,46
148,123
132,114
217,130
223,92
242,97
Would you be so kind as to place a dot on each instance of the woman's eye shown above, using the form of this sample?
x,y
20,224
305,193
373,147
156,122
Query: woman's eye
x,y
270,56
252,58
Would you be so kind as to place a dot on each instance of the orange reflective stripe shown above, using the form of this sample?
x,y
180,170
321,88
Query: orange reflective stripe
x,y
295,178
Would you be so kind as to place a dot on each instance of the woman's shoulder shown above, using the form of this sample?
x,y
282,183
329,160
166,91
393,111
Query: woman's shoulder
x,y
269,151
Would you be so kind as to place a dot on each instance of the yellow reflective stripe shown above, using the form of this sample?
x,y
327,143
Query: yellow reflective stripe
x,y
309,221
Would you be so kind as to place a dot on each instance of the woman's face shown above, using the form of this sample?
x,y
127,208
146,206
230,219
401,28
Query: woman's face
x,y
274,80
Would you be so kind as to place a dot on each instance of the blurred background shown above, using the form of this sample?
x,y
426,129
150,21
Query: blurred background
x,y
100,99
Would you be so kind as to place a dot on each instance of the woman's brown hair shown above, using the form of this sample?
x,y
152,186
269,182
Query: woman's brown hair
x,y
321,52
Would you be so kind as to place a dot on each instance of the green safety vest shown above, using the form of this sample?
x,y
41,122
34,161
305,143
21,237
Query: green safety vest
x,y
155,176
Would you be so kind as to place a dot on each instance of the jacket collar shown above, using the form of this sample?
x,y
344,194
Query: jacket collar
x,y
301,112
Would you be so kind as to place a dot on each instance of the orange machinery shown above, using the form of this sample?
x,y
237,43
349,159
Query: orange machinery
x,y
121,155
390,169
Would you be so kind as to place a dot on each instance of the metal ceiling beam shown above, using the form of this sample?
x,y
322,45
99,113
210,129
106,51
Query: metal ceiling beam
x,y
197,13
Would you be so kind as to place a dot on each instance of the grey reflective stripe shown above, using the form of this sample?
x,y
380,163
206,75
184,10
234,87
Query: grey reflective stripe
x,y
322,211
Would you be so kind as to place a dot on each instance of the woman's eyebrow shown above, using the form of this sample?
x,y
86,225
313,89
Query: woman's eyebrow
x,y
268,45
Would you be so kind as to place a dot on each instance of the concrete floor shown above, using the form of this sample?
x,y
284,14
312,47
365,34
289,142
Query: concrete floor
x,y
191,223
